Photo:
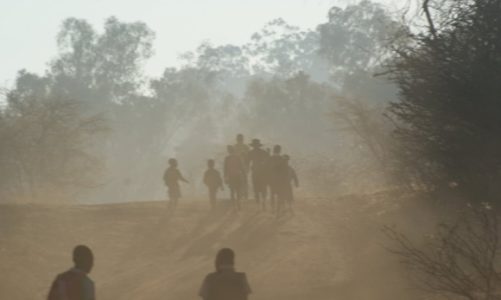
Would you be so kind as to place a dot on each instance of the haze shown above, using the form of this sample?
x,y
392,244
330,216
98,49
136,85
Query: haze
x,y
180,25
340,149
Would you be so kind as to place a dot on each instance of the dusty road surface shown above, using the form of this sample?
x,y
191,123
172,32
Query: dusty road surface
x,y
329,249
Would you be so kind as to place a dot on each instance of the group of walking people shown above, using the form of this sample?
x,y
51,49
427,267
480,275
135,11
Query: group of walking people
x,y
272,177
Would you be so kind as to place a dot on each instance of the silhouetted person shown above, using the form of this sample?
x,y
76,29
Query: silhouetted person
x,y
242,150
291,179
74,284
172,176
213,181
278,172
225,283
258,159
234,170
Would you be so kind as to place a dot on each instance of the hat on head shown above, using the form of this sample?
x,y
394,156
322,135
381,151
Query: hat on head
x,y
256,143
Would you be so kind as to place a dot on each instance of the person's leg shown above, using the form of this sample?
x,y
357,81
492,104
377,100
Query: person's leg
x,y
212,197
273,198
173,202
288,197
260,187
255,186
171,197
239,193
280,200
232,196
263,199
245,187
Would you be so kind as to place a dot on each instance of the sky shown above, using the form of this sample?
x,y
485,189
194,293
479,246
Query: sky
x,y
28,28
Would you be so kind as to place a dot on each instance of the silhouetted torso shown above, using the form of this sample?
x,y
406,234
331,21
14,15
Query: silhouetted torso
x,y
172,176
279,171
212,178
233,169
73,284
258,158
242,150
225,284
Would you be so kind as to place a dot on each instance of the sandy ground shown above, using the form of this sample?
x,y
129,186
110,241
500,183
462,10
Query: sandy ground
x,y
329,249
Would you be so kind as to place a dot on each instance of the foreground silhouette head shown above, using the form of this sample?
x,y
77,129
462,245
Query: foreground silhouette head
x,y
173,162
225,258
83,258
210,163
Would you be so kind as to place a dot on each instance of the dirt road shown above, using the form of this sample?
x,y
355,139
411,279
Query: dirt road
x,y
329,249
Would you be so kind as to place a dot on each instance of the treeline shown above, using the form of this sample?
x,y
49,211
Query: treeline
x,y
363,100
116,127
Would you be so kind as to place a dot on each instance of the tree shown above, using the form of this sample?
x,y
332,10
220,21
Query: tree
x,y
357,37
102,68
449,111
275,109
46,141
283,50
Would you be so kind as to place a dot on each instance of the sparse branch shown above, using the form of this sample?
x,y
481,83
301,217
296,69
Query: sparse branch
x,y
429,19
459,259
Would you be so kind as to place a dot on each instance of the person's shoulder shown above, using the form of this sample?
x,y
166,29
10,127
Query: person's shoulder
x,y
88,280
211,275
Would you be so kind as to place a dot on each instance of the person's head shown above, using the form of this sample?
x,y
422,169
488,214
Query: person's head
x,y
225,258
210,164
230,149
173,162
286,158
240,138
277,149
83,258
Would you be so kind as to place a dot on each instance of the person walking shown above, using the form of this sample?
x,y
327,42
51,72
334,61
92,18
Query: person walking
x,y
233,171
291,179
172,176
258,159
213,181
278,173
242,150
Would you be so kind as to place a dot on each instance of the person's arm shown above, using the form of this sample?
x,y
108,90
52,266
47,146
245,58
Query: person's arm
x,y
204,290
246,287
55,290
180,176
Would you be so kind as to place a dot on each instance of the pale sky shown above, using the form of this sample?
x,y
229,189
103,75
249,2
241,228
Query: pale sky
x,y
28,27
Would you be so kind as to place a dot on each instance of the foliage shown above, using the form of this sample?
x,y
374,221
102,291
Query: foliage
x,y
46,142
459,260
449,113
